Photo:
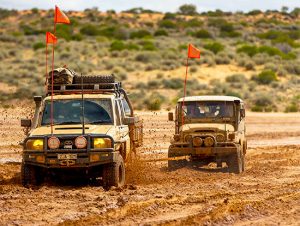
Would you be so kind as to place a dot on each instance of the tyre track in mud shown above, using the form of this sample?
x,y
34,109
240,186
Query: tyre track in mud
x,y
266,193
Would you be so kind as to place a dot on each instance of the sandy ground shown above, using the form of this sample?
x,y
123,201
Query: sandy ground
x,y
267,193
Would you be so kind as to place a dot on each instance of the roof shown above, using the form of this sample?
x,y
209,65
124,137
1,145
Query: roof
x,y
78,96
210,98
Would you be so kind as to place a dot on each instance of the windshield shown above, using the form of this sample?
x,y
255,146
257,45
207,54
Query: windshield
x,y
70,112
208,110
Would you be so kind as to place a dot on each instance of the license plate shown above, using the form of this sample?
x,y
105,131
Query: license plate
x,y
66,156
68,147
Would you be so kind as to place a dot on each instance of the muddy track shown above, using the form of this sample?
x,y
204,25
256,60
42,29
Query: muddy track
x,y
268,192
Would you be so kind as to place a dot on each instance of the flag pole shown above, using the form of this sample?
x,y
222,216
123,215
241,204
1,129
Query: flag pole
x,y
184,92
46,61
52,78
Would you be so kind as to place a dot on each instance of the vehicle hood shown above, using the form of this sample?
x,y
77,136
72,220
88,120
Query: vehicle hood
x,y
74,129
198,127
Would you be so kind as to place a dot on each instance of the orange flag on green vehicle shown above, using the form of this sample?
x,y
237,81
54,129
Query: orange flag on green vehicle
x,y
193,52
60,17
50,38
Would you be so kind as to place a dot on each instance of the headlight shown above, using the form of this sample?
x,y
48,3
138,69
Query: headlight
x,y
80,142
53,142
220,138
102,143
197,141
188,138
35,144
209,141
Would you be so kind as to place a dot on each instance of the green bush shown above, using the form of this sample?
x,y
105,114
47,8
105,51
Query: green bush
x,y
147,45
169,24
140,34
120,45
174,83
202,34
161,32
192,23
90,30
236,78
293,107
266,77
188,9
38,45
215,47
249,50
154,102
263,103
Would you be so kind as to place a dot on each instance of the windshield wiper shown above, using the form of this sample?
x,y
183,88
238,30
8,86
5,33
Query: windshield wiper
x,y
67,123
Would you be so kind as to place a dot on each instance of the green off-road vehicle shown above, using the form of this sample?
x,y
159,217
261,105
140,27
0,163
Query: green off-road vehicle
x,y
209,129
94,133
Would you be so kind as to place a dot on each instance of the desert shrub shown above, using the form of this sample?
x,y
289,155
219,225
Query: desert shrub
x,y
153,84
227,30
169,24
236,78
188,9
250,65
266,77
222,58
161,32
293,67
193,69
218,22
119,46
192,23
260,58
122,76
263,102
154,102
140,34
89,29
202,34
214,47
149,46
293,107
247,49
174,83
169,16
254,12
147,57
28,30
38,45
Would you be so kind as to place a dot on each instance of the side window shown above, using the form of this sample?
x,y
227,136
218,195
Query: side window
x,y
126,107
117,113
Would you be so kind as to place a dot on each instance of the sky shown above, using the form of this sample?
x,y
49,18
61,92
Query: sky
x,y
157,5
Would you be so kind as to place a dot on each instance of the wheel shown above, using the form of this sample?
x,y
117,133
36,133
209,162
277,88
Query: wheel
x,y
114,174
235,163
94,79
243,162
30,175
175,164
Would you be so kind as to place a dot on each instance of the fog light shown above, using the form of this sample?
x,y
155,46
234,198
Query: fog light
x,y
188,138
220,138
35,144
40,158
80,142
102,143
197,141
209,141
94,157
231,136
53,142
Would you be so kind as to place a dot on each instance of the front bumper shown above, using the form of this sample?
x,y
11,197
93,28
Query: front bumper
x,y
82,160
177,150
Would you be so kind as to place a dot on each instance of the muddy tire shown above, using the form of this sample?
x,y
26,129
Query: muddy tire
x,y
114,174
30,176
235,162
243,162
175,164
94,79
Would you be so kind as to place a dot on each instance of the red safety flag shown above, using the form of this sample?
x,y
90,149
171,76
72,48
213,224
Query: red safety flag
x,y
193,52
50,38
60,17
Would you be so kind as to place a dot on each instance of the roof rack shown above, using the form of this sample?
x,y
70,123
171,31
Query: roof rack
x,y
88,88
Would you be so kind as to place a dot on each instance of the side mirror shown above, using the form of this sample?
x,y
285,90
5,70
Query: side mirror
x,y
128,120
243,113
171,116
26,122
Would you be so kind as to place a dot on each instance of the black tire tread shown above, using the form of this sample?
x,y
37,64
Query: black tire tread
x,y
111,174
94,79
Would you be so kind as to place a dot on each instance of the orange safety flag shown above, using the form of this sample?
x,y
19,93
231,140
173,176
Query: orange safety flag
x,y
60,17
193,52
50,38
